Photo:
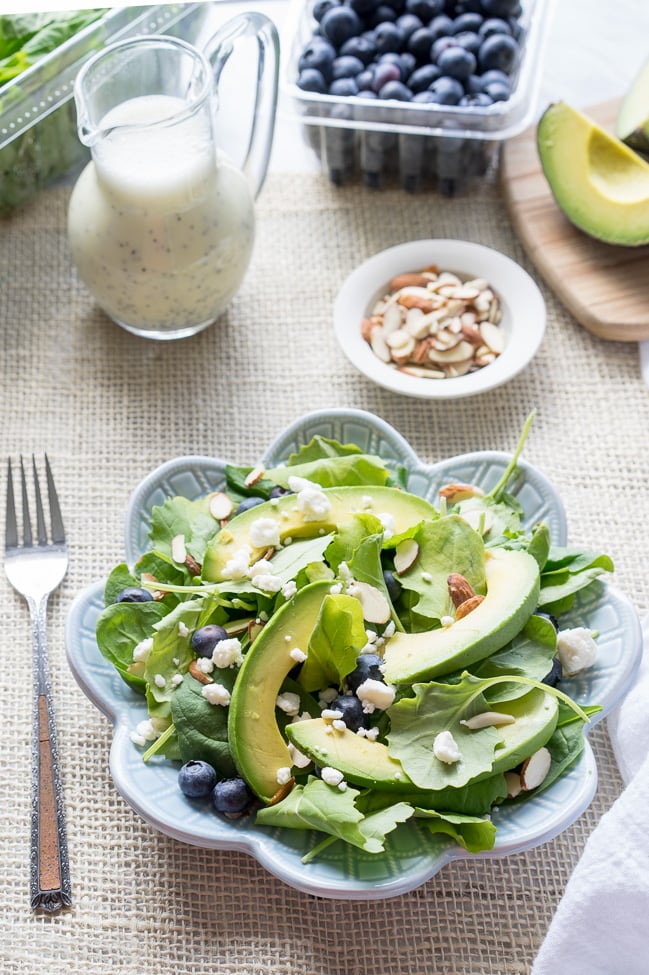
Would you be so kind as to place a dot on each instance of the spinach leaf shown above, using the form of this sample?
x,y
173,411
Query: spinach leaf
x,y
120,627
472,832
179,516
201,727
529,654
172,651
349,536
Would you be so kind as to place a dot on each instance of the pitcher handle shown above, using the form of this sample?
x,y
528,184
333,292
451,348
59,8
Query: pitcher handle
x,y
218,50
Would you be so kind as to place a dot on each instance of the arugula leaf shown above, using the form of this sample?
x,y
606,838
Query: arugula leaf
x,y
322,807
172,651
335,471
349,536
337,638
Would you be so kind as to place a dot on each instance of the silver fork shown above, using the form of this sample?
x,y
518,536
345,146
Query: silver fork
x,y
35,568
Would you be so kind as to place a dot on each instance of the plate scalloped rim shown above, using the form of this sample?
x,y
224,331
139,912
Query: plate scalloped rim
x,y
354,875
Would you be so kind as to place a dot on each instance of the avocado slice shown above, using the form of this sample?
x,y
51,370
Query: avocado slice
x,y
632,123
513,584
601,185
406,510
258,746
369,764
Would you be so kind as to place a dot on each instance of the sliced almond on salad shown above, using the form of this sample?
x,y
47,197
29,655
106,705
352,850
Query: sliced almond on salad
x,y
405,555
376,608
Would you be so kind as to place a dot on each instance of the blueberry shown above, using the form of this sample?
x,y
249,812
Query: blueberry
x,y
392,584
469,40
425,9
364,81
196,779
362,47
248,503
352,711
447,91
339,24
382,15
320,8
473,84
367,93
346,66
362,7
499,8
476,99
205,638
231,796
423,77
133,594
425,97
498,51
440,45
555,674
343,87
456,62
395,91
278,492
368,667
440,26
310,79
385,72
494,25
493,75
319,54
497,91
420,42
467,21
388,37
408,24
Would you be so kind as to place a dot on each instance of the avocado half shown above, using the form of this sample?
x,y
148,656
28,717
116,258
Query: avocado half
x,y
601,184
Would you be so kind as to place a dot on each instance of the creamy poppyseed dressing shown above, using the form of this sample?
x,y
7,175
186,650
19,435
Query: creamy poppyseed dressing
x,y
161,225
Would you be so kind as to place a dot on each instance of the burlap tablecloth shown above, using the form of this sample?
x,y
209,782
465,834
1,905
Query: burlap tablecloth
x,y
108,408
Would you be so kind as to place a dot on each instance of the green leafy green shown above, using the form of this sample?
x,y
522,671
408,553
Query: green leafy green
x,y
334,645
472,832
201,727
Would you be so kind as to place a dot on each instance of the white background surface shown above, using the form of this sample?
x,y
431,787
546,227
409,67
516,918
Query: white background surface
x,y
594,50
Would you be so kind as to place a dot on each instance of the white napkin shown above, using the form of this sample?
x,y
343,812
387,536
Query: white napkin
x,y
601,926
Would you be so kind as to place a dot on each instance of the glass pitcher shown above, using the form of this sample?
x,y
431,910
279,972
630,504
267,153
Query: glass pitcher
x,y
161,222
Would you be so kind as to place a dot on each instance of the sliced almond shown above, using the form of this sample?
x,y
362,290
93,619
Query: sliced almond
x,y
513,782
463,350
488,719
255,475
535,769
421,372
178,550
198,674
379,345
393,318
493,337
405,555
457,369
376,608
221,506
408,280
399,339
460,492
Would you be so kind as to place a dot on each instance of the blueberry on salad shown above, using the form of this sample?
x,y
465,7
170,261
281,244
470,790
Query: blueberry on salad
x,y
196,779
232,797
368,667
134,594
204,639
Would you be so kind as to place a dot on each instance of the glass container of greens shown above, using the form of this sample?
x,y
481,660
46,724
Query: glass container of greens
x,y
40,55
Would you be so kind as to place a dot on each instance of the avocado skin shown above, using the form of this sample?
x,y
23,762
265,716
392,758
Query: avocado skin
x,y
600,184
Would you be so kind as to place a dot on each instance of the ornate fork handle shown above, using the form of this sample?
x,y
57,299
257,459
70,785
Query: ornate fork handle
x,y
49,865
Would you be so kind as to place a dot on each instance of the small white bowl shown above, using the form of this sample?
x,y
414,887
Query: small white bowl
x,y
522,306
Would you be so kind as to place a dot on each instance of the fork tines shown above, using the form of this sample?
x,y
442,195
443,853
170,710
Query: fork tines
x,y
57,534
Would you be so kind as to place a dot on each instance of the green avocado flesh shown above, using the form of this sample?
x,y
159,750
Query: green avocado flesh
x,y
513,584
368,763
632,123
405,509
601,185
258,746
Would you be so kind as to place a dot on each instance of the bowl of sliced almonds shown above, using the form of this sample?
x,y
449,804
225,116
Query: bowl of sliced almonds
x,y
439,319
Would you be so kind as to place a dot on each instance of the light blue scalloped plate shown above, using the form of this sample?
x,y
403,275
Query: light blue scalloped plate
x,y
412,856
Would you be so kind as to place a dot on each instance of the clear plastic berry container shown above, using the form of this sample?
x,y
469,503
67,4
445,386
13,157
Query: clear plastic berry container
x,y
419,145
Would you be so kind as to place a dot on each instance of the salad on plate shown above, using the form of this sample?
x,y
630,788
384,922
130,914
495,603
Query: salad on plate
x,y
320,649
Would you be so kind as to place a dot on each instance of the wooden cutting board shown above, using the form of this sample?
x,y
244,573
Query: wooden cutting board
x,y
605,286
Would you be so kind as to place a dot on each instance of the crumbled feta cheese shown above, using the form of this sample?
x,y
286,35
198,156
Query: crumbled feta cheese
x,y
237,566
371,733
336,589
288,541
389,526
176,680
375,694
288,702
216,694
182,629
205,665
331,775
143,733
268,582
426,577
344,572
339,724
331,714
289,590
367,502
283,775
370,636
227,653
445,748
447,621
389,630
143,649
159,681
327,696
176,661
312,502
576,650
264,533
297,655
